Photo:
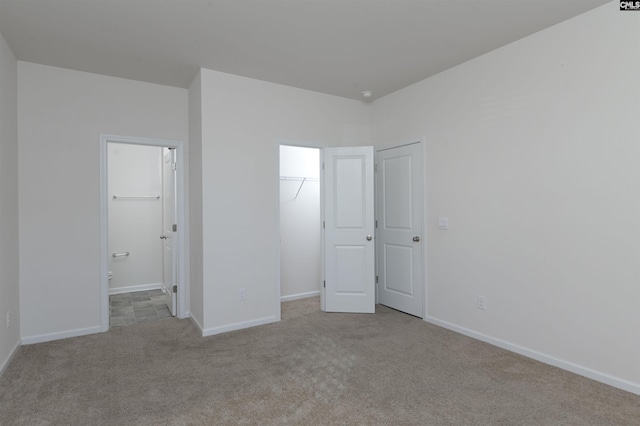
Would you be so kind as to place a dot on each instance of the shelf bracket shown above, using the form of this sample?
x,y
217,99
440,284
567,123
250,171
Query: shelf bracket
x,y
296,197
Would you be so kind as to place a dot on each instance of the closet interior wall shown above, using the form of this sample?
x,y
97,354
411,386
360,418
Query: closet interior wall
x,y
300,228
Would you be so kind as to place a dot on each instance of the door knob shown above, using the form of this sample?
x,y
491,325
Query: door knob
x,y
369,237
163,237
416,239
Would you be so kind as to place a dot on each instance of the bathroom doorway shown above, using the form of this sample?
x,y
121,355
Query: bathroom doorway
x,y
135,208
142,218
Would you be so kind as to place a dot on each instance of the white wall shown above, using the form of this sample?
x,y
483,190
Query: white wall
x,y
195,207
61,114
532,153
300,237
9,271
243,121
135,225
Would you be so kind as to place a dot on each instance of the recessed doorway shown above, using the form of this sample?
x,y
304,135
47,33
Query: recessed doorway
x,y
166,202
300,226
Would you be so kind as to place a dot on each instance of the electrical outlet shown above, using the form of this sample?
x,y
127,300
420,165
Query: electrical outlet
x,y
8,318
242,294
443,223
482,302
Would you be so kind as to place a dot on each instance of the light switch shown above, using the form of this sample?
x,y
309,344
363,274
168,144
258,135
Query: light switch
x,y
443,223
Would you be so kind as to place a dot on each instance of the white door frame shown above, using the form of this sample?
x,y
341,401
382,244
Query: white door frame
x,y
425,232
183,285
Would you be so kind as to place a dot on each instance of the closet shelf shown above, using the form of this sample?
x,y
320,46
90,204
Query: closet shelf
x,y
302,180
299,178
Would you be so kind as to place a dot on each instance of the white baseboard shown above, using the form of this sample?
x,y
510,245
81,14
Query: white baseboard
x,y
61,335
605,378
132,288
7,360
299,296
238,326
197,323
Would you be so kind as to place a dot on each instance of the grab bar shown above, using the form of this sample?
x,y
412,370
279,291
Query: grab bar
x,y
126,253
136,197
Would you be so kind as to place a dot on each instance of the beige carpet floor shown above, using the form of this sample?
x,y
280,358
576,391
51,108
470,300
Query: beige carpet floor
x,y
311,368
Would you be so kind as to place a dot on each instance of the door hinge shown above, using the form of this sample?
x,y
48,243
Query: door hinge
x,y
324,284
175,227
376,223
173,166
376,279
175,288
323,224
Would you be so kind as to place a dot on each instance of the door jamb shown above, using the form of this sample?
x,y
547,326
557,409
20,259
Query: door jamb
x,y
182,310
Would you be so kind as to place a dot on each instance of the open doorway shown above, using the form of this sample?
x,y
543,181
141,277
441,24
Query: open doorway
x,y
137,200
142,218
300,226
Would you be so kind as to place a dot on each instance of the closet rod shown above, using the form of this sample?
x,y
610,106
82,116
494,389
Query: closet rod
x,y
299,178
136,197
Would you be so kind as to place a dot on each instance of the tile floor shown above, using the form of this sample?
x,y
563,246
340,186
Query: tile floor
x,y
137,307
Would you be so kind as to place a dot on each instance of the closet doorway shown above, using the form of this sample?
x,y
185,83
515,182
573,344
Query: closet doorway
x,y
142,218
300,225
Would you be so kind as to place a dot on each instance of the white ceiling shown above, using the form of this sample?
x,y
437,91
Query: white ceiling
x,y
340,47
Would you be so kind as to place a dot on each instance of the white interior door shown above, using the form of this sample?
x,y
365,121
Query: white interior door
x,y
169,228
349,250
399,191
